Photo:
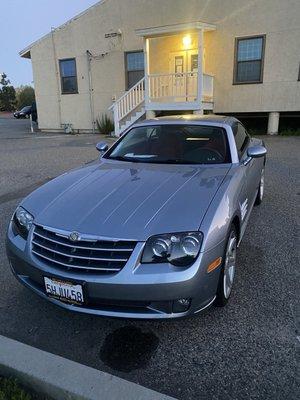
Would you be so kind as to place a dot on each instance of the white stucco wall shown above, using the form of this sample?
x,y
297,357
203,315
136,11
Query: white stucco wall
x,y
279,20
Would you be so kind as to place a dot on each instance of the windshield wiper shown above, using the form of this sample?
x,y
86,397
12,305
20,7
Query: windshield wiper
x,y
148,161
120,158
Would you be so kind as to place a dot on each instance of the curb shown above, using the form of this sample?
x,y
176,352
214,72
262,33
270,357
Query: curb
x,y
63,379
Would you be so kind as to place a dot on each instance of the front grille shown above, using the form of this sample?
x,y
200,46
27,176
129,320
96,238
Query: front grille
x,y
55,249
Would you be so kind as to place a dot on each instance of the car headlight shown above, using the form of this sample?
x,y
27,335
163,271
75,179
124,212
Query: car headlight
x,y
22,222
179,249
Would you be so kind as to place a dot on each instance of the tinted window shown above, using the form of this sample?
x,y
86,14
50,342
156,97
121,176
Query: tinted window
x,y
26,108
68,76
134,67
173,144
249,60
241,138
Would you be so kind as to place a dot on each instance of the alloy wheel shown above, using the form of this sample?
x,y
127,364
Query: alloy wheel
x,y
262,185
230,264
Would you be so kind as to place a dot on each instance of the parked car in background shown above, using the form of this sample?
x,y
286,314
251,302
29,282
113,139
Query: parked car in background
x,y
151,229
23,113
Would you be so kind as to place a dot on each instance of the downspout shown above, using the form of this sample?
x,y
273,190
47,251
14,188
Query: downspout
x,y
57,78
89,59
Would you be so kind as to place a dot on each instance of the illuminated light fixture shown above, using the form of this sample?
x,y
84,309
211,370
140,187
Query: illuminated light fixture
x,y
197,138
214,264
187,41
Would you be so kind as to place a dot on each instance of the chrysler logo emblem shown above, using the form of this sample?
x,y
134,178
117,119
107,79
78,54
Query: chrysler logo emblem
x,y
74,236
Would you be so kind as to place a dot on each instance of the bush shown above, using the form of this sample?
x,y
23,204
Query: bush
x,y
105,125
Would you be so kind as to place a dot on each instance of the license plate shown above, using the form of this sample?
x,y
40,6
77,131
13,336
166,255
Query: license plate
x,y
64,291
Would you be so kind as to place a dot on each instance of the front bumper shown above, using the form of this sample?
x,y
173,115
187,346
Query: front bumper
x,y
145,291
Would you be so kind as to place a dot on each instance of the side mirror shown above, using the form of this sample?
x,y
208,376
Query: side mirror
x,y
102,147
256,151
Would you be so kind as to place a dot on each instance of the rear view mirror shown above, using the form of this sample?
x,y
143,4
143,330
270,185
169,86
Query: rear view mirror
x,y
102,147
256,151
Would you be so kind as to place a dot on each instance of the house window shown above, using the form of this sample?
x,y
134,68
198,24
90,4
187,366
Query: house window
x,y
68,76
249,58
194,62
135,69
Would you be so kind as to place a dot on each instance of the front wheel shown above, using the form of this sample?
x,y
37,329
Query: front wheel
x,y
227,273
261,189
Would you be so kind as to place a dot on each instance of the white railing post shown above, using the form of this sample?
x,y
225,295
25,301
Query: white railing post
x,y
116,119
147,93
127,103
200,70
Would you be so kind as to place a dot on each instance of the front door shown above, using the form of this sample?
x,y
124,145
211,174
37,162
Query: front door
x,y
183,67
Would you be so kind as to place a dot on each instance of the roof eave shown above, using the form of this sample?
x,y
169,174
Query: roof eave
x,y
25,53
174,29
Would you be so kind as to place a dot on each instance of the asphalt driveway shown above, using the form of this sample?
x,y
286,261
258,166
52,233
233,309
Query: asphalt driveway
x,y
246,350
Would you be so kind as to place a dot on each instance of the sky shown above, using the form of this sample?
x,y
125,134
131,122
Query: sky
x,y
23,22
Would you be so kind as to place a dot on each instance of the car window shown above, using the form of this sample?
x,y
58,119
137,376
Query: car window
x,y
26,108
167,144
241,138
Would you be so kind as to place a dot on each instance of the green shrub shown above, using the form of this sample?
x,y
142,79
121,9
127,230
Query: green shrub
x,y
284,132
290,132
105,125
10,390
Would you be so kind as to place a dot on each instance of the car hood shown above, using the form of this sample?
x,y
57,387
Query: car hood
x,y
127,200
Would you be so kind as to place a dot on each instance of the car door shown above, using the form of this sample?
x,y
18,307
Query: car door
x,y
249,168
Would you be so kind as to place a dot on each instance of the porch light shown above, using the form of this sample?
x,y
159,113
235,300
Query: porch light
x,y
187,41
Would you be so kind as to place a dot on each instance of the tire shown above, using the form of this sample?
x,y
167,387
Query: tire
x,y
227,273
261,189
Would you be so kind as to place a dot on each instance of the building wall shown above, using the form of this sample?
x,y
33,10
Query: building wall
x,y
279,20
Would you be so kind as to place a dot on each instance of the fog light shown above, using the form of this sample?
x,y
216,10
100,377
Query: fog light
x,y
181,305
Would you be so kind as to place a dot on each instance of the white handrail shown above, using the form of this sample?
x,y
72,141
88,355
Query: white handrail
x,y
162,88
126,93
128,102
180,87
176,85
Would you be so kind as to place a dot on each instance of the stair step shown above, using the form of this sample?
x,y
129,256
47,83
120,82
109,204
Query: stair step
x,y
132,120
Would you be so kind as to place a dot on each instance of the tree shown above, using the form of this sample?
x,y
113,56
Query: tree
x,y
7,94
25,96
3,80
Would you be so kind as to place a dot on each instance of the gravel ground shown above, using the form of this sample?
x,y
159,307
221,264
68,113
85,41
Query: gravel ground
x,y
246,350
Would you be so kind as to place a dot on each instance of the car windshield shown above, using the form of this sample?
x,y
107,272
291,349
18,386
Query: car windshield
x,y
26,108
173,144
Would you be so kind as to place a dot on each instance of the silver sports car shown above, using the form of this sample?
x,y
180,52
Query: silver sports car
x,y
151,229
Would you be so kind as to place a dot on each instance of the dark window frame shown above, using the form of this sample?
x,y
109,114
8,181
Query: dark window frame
x,y
126,66
246,142
236,62
70,76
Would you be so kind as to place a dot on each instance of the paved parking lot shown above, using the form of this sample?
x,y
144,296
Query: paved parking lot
x,y
246,350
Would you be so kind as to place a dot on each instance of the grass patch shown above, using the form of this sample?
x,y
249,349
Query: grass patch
x,y
11,390
284,132
290,132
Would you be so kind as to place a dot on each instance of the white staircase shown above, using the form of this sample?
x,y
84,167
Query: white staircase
x,y
129,107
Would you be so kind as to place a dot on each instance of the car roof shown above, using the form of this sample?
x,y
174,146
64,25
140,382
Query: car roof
x,y
210,118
